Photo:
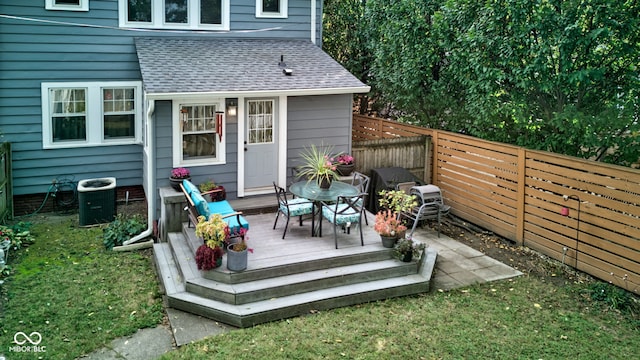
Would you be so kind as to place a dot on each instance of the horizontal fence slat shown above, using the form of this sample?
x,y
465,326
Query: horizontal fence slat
x,y
505,189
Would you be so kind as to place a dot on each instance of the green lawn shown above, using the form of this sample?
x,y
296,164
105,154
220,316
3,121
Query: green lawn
x,y
519,319
76,294
79,297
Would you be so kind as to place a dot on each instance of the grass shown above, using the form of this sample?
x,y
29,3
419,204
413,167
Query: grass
x,y
523,318
79,297
75,293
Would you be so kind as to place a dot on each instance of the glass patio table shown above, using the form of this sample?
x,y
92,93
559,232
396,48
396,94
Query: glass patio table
x,y
310,190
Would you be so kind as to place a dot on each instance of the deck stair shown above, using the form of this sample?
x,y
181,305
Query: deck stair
x,y
287,277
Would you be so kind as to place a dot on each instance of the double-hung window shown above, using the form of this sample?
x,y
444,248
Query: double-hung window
x,y
199,137
271,8
175,14
91,114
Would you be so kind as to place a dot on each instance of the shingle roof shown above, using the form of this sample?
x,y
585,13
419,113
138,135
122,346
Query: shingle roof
x,y
178,65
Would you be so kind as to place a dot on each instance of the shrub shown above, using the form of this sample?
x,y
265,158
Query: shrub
x,y
122,229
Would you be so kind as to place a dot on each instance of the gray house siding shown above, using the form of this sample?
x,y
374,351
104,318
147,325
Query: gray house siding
x,y
224,174
32,52
317,119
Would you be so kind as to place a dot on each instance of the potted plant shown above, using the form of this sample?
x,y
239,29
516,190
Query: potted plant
x,y
388,223
318,166
389,227
212,190
237,252
345,164
214,232
406,249
177,175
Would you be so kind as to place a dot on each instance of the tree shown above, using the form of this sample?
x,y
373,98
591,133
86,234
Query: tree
x,y
344,36
547,74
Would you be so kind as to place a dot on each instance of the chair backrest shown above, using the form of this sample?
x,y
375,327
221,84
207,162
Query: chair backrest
x,y
405,186
427,194
349,205
361,182
281,194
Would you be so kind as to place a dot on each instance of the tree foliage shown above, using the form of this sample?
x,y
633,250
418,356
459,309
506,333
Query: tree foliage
x,y
555,75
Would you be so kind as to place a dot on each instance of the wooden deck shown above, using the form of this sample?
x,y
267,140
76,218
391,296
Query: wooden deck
x,y
287,277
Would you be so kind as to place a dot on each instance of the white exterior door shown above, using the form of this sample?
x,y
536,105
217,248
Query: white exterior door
x,y
261,147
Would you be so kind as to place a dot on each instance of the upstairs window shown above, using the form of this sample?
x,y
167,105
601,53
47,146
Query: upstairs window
x,y
69,5
175,14
271,8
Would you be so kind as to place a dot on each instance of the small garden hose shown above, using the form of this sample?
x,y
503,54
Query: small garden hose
x,y
59,186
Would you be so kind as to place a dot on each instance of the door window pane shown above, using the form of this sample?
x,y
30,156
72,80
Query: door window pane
x,y
260,124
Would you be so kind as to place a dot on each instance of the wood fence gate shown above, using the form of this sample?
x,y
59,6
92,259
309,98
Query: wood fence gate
x,y
6,188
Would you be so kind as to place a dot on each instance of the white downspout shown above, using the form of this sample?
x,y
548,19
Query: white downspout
x,y
313,21
151,183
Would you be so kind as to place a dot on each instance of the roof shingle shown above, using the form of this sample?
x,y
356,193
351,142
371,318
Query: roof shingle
x,y
178,65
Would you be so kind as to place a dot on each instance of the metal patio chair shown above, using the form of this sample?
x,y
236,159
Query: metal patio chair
x,y
290,207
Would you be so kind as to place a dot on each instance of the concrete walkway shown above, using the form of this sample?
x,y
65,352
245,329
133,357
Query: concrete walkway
x,y
457,266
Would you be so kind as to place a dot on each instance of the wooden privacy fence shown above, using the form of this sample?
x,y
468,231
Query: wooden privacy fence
x,y
412,152
583,213
6,187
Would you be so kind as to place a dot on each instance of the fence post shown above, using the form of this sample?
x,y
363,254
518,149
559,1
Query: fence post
x,y
434,163
522,166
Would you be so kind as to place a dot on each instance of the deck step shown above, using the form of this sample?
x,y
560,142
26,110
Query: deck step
x,y
258,312
284,286
287,264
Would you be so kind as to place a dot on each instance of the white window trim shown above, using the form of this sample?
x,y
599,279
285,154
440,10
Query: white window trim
x,y
157,17
221,157
51,5
94,114
283,14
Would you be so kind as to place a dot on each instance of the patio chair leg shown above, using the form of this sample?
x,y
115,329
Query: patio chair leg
x,y
275,222
285,228
335,234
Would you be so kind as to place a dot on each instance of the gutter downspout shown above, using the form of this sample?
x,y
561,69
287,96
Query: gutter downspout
x,y
313,21
151,184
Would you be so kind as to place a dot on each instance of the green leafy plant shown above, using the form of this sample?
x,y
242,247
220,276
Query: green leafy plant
x,y
397,201
19,234
318,164
614,297
407,245
207,186
122,228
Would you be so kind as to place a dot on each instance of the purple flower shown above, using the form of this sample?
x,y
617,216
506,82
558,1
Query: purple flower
x,y
345,159
180,173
